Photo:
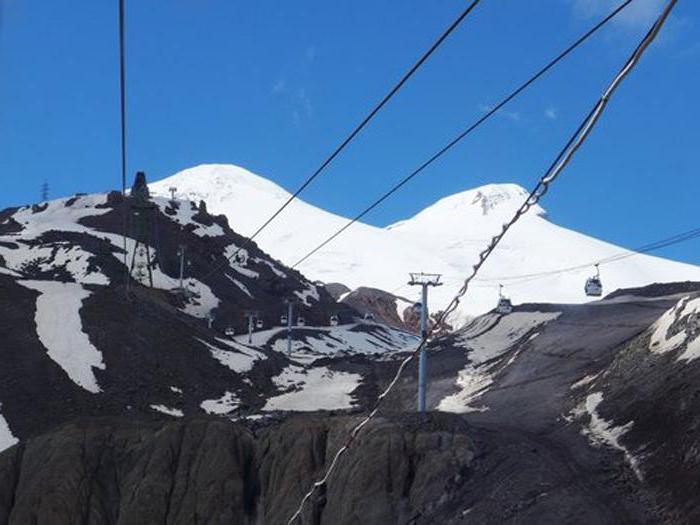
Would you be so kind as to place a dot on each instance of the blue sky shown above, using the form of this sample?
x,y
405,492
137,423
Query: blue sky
x,y
274,86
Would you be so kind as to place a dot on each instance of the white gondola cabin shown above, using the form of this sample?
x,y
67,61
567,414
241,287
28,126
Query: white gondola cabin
x,y
301,321
334,320
230,332
594,286
259,323
504,306
283,320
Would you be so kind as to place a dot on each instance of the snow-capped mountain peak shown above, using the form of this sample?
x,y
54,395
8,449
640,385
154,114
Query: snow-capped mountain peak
x,y
491,203
220,182
445,238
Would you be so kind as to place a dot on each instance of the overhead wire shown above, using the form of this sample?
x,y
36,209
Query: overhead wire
x,y
356,130
522,87
556,168
122,133
656,245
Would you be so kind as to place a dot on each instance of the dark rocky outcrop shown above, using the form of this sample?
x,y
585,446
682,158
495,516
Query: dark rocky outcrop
x,y
381,305
214,471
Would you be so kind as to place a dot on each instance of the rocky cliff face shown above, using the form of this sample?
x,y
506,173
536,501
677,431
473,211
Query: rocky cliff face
x,y
213,471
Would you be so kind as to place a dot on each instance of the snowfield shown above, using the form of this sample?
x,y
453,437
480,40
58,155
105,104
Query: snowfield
x,y
602,432
311,343
313,389
223,405
240,359
486,339
443,238
60,330
661,339
63,215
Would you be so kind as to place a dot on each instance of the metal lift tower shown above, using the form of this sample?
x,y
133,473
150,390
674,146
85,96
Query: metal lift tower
x,y
290,324
424,280
251,316
142,210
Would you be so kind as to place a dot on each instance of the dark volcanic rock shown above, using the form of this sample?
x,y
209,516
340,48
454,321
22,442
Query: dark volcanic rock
x,y
213,471
380,304
657,290
336,289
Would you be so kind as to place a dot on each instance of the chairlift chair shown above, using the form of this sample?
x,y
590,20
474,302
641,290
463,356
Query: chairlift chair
x,y
504,306
594,286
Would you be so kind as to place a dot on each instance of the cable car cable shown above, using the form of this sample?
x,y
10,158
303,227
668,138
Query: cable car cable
x,y
662,243
469,130
360,126
557,167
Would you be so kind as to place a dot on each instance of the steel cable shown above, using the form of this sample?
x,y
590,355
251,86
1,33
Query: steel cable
x,y
561,161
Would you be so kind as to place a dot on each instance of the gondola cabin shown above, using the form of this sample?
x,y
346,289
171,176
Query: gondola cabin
x,y
503,306
594,286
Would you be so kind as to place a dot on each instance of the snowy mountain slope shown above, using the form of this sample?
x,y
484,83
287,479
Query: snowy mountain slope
x,y
444,238
614,379
74,343
553,413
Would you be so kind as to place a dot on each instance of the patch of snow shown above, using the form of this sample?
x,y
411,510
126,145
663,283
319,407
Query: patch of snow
x,y
7,439
223,405
175,412
176,389
311,343
587,380
201,299
239,263
661,342
54,255
472,383
279,273
239,360
311,292
260,337
491,335
487,338
240,285
60,331
401,306
183,215
602,432
313,389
